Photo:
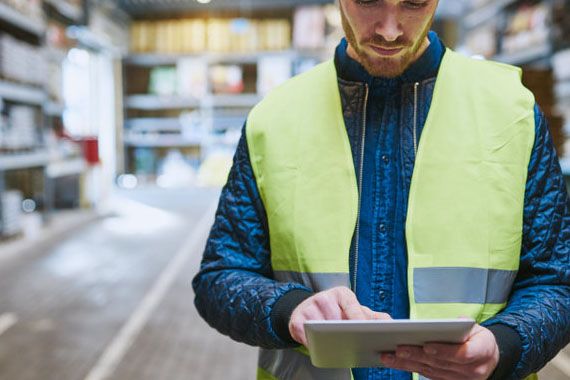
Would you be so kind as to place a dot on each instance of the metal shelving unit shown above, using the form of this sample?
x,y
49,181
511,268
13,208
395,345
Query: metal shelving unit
x,y
154,141
69,11
237,100
157,102
13,17
73,166
487,12
22,93
53,109
146,7
532,54
153,124
150,60
55,54
18,161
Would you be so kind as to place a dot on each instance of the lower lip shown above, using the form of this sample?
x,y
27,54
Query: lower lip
x,y
386,52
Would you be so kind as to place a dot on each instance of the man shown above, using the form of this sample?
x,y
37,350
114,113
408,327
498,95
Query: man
x,y
335,208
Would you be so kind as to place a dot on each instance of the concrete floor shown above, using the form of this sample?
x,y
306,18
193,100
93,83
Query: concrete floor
x,y
87,307
112,299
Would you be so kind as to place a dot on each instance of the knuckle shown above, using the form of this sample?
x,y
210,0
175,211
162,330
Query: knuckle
x,y
480,371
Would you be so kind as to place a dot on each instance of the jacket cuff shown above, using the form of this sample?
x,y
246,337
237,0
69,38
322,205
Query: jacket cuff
x,y
510,350
282,310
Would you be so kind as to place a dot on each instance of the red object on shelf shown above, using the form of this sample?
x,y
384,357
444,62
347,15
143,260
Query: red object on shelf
x,y
90,146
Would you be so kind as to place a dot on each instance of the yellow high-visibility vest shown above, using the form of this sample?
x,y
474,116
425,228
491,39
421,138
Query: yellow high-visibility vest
x,y
465,208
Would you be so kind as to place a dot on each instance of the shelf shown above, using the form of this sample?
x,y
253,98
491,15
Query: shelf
x,y
153,141
154,124
150,60
157,102
485,13
532,54
141,9
57,169
11,16
67,10
21,93
237,100
54,109
23,160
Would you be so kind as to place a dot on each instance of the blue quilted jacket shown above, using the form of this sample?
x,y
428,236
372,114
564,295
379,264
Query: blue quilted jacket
x,y
236,294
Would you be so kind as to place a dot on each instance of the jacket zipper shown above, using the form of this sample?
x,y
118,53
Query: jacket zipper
x,y
415,128
360,170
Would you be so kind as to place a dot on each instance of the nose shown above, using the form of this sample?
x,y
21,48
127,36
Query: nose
x,y
388,26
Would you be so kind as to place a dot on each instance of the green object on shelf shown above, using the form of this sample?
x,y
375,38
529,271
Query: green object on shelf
x,y
145,161
163,81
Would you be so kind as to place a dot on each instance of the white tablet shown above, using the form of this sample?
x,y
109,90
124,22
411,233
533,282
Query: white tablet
x,y
355,344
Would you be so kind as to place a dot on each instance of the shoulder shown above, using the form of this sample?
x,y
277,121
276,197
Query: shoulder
x,y
484,66
297,90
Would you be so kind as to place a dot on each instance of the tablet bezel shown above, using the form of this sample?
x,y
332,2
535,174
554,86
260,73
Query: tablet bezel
x,y
357,344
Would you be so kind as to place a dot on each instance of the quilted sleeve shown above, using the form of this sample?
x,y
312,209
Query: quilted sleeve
x,y
539,306
234,289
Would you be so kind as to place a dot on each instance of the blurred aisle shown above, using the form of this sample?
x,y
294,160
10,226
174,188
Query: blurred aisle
x,y
64,305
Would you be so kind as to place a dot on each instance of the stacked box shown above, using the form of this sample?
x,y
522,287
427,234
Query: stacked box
x,y
218,32
213,35
30,8
19,129
22,62
192,34
11,217
275,35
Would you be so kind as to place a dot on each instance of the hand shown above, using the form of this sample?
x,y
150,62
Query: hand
x,y
334,304
475,359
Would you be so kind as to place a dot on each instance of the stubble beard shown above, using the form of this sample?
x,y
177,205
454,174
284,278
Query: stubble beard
x,y
389,67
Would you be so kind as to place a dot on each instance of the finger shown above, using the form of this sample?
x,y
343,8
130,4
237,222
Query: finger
x,y
424,369
349,305
368,312
328,307
417,354
306,312
480,346
392,361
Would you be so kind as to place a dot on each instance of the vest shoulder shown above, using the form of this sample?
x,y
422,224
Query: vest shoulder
x,y
499,81
479,66
298,90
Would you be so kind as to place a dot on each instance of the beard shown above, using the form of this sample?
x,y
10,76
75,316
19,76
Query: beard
x,y
388,67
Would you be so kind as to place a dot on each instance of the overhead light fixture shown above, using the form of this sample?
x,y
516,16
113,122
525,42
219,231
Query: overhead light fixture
x,y
203,1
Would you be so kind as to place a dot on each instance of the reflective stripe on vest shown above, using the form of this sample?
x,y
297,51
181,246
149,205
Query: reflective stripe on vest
x,y
464,222
314,280
293,365
454,285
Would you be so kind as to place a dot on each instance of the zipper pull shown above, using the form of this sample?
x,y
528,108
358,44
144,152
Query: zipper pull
x,y
415,127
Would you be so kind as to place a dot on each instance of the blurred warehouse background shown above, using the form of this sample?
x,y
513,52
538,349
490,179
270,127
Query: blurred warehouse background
x,y
118,122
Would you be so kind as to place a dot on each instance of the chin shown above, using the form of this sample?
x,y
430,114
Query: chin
x,y
385,68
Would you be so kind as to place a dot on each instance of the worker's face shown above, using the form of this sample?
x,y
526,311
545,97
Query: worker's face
x,y
386,36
